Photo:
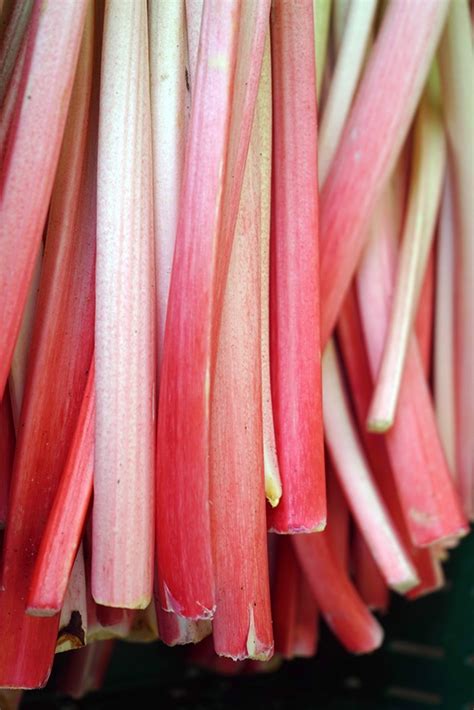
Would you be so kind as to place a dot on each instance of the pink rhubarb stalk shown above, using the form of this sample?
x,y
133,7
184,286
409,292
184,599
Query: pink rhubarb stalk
x,y
429,502
368,580
339,522
223,103
457,65
294,277
371,141
340,605
63,531
241,625
425,315
356,480
60,354
31,155
124,469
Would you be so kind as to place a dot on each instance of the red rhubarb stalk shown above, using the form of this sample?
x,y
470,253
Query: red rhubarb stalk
x,y
175,630
368,580
59,359
339,523
356,480
371,141
341,606
124,469
7,450
457,65
294,277
429,502
224,97
29,164
63,531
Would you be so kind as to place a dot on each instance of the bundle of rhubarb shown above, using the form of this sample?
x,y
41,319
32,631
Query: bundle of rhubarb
x,y
236,299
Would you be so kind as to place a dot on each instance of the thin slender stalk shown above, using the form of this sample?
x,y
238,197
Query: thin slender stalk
x,y
355,478
339,19
344,80
63,532
424,319
124,469
29,164
444,368
341,606
294,292
457,65
371,141
322,17
264,112
422,210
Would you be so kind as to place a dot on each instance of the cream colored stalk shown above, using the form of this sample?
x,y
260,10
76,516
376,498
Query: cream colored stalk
x,y
322,20
344,80
426,182
124,472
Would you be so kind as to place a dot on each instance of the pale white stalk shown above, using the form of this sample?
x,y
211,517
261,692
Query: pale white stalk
x,y
345,77
264,112
355,478
17,378
170,114
457,71
443,355
123,509
339,18
322,17
73,619
425,191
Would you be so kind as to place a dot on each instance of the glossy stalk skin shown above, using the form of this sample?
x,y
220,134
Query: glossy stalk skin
x,y
371,141
340,605
223,103
31,155
125,341
356,480
426,181
368,580
456,67
7,452
63,532
356,363
294,275
57,373
431,508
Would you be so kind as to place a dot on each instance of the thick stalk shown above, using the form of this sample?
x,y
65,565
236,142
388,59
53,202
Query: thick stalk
x,y
294,277
124,467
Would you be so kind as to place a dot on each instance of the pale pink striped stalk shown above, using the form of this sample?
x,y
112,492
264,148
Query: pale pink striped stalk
x,y
371,141
430,506
72,632
169,112
457,66
224,97
294,277
344,78
241,625
124,472
63,532
443,355
429,159
356,480
28,168
340,605
264,110
16,381
60,354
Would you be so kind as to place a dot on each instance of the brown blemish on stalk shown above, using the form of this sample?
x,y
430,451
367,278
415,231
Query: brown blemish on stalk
x,y
72,635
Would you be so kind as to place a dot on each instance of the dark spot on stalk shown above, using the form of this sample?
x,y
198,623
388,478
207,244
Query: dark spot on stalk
x,y
186,78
